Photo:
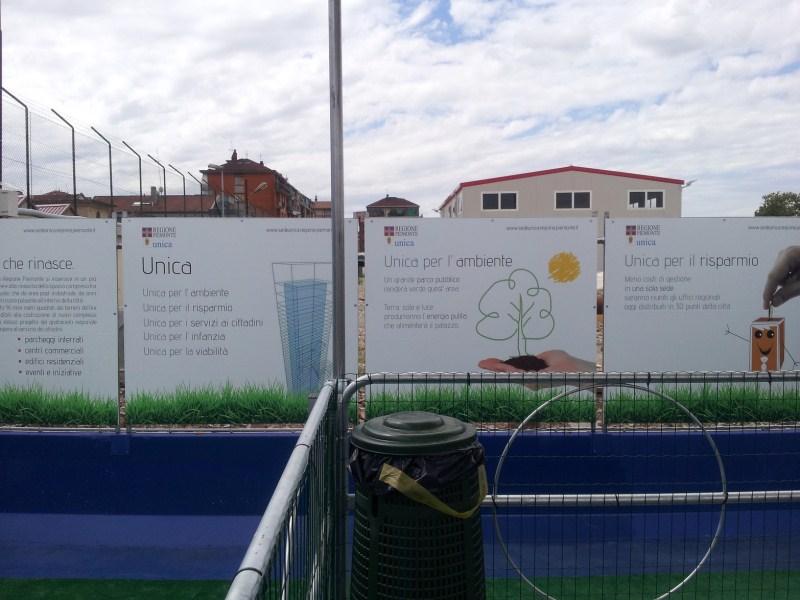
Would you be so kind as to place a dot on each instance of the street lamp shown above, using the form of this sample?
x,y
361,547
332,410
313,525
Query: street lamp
x,y
258,188
222,185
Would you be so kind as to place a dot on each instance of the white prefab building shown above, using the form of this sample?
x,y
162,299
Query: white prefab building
x,y
566,192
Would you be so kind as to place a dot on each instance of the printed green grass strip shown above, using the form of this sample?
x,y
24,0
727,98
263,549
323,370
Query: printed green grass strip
x,y
35,407
228,405
486,404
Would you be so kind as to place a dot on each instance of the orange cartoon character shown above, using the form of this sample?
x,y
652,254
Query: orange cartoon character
x,y
767,335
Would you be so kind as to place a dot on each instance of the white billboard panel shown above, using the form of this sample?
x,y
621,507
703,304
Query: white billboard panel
x,y
445,294
685,294
58,305
213,302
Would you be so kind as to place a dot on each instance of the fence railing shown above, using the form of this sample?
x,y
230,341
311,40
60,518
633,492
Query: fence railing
x,y
634,485
293,551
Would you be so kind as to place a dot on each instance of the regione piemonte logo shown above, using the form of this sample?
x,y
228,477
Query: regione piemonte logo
x,y
160,232
642,235
388,233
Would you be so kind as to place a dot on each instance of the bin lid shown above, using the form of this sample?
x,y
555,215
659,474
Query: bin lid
x,y
412,433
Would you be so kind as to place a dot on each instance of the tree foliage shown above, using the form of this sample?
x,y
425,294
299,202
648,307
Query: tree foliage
x,y
779,204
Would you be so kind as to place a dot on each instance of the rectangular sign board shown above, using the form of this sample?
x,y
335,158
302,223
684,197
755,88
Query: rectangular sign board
x,y
58,305
686,295
445,294
212,302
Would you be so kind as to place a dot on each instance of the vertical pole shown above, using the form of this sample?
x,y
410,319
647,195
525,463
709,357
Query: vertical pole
x,y
184,186
337,247
246,200
1,105
74,179
202,213
27,147
164,172
110,168
141,193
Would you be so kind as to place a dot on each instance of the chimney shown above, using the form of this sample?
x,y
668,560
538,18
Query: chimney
x,y
153,195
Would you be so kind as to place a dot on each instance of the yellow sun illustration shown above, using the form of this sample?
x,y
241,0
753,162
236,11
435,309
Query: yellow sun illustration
x,y
564,267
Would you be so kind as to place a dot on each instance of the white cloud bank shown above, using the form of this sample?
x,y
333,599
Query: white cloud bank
x,y
435,92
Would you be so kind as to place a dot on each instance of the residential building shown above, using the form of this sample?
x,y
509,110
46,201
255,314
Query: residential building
x,y
390,206
94,208
156,204
243,187
321,208
566,192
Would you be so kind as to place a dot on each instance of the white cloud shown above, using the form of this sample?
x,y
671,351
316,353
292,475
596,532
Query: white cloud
x,y
435,93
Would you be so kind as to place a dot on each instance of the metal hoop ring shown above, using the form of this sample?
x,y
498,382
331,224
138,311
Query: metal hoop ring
x,y
594,386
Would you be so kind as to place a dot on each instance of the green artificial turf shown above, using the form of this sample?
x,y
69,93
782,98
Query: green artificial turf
x,y
740,585
111,589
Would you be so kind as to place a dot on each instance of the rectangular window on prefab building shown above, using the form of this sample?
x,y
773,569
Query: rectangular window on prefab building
x,y
508,201
646,199
499,201
490,201
570,200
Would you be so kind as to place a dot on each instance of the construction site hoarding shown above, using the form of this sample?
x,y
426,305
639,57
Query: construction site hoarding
x,y
448,294
211,303
688,295
58,306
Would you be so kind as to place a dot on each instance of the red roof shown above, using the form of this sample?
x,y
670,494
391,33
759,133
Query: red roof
x,y
391,201
464,184
194,203
238,166
53,209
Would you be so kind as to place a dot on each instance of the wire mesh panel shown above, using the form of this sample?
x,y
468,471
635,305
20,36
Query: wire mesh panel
x,y
293,552
627,486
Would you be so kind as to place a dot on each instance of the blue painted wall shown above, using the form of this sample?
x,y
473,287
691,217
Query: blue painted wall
x,y
184,505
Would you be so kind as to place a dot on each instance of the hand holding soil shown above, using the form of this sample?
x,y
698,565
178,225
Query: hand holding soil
x,y
550,361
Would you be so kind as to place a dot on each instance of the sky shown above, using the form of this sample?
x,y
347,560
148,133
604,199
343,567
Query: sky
x,y
436,92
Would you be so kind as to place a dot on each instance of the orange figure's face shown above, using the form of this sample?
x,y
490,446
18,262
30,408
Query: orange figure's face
x,y
766,344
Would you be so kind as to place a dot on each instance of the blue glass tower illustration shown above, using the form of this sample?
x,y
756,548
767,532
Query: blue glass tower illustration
x,y
303,293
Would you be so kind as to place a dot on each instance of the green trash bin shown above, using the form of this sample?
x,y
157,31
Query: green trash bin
x,y
420,479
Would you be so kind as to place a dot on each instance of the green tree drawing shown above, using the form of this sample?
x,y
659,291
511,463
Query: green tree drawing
x,y
516,307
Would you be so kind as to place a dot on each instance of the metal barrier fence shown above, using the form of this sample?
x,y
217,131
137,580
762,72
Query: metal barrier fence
x,y
293,553
609,485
